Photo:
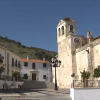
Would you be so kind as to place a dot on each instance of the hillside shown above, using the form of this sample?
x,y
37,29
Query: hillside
x,y
24,51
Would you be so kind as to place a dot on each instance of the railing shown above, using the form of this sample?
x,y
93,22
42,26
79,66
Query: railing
x,y
9,78
86,83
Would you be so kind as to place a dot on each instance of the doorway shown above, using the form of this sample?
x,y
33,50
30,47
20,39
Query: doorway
x,y
33,76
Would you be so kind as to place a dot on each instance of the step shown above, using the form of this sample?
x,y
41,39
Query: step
x,y
47,97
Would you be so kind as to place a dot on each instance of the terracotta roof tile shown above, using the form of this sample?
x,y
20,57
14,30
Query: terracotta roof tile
x,y
33,60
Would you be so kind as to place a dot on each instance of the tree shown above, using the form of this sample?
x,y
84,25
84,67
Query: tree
x,y
25,76
1,70
73,75
16,75
1,65
85,75
18,43
97,72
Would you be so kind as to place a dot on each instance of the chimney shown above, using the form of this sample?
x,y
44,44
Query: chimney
x,y
43,59
27,57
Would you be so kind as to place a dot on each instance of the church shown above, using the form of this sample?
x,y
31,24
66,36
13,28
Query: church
x,y
75,52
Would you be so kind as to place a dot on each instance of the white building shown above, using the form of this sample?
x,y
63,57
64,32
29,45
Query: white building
x,y
36,70
11,62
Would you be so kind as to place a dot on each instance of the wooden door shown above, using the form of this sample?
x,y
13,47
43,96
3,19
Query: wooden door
x,y
33,76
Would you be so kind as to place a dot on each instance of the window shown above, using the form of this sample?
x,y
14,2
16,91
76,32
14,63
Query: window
x,y
89,33
25,63
12,61
16,63
33,65
59,31
1,61
44,76
62,30
25,76
71,28
44,64
19,64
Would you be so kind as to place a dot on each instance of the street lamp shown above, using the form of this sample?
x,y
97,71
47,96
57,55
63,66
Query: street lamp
x,y
55,63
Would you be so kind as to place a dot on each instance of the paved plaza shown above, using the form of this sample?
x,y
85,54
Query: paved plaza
x,y
35,94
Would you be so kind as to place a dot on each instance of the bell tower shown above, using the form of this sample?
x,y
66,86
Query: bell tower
x,y
66,33
65,27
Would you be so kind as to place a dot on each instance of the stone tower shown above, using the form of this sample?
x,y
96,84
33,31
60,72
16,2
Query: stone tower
x,y
67,41
65,27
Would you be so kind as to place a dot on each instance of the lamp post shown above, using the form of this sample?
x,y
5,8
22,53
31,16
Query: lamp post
x,y
55,63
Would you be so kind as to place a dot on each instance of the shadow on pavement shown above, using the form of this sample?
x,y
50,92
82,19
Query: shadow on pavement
x,y
41,91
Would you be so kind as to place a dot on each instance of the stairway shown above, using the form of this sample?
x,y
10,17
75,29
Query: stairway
x,y
37,85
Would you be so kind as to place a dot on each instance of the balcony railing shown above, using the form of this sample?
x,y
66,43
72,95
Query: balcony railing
x,y
9,78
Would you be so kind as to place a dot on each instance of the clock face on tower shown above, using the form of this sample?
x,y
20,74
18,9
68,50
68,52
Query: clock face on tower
x,y
76,40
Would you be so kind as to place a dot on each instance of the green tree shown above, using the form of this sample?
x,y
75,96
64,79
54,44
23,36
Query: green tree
x,y
18,43
85,75
16,75
73,75
1,70
97,72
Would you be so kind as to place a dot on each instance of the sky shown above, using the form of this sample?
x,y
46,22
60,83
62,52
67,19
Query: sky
x,y
33,22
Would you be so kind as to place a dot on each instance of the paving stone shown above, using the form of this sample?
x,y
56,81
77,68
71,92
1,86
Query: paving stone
x,y
35,94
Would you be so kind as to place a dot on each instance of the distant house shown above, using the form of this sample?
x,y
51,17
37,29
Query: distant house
x,y
36,70
11,62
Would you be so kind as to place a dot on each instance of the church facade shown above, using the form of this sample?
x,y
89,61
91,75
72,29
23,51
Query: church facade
x,y
75,52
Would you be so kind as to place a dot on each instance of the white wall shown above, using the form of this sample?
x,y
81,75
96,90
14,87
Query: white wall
x,y
79,62
3,52
13,68
39,68
85,94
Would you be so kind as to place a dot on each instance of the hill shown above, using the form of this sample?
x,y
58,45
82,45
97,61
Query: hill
x,y
24,51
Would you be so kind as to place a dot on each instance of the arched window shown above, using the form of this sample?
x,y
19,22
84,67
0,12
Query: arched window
x,y
71,28
62,30
59,31
89,33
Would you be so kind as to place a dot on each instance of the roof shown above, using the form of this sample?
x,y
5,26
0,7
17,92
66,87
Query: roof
x,y
68,19
64,20
33,60
96,38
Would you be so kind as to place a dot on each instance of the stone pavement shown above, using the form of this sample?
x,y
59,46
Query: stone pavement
x,y
35,94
